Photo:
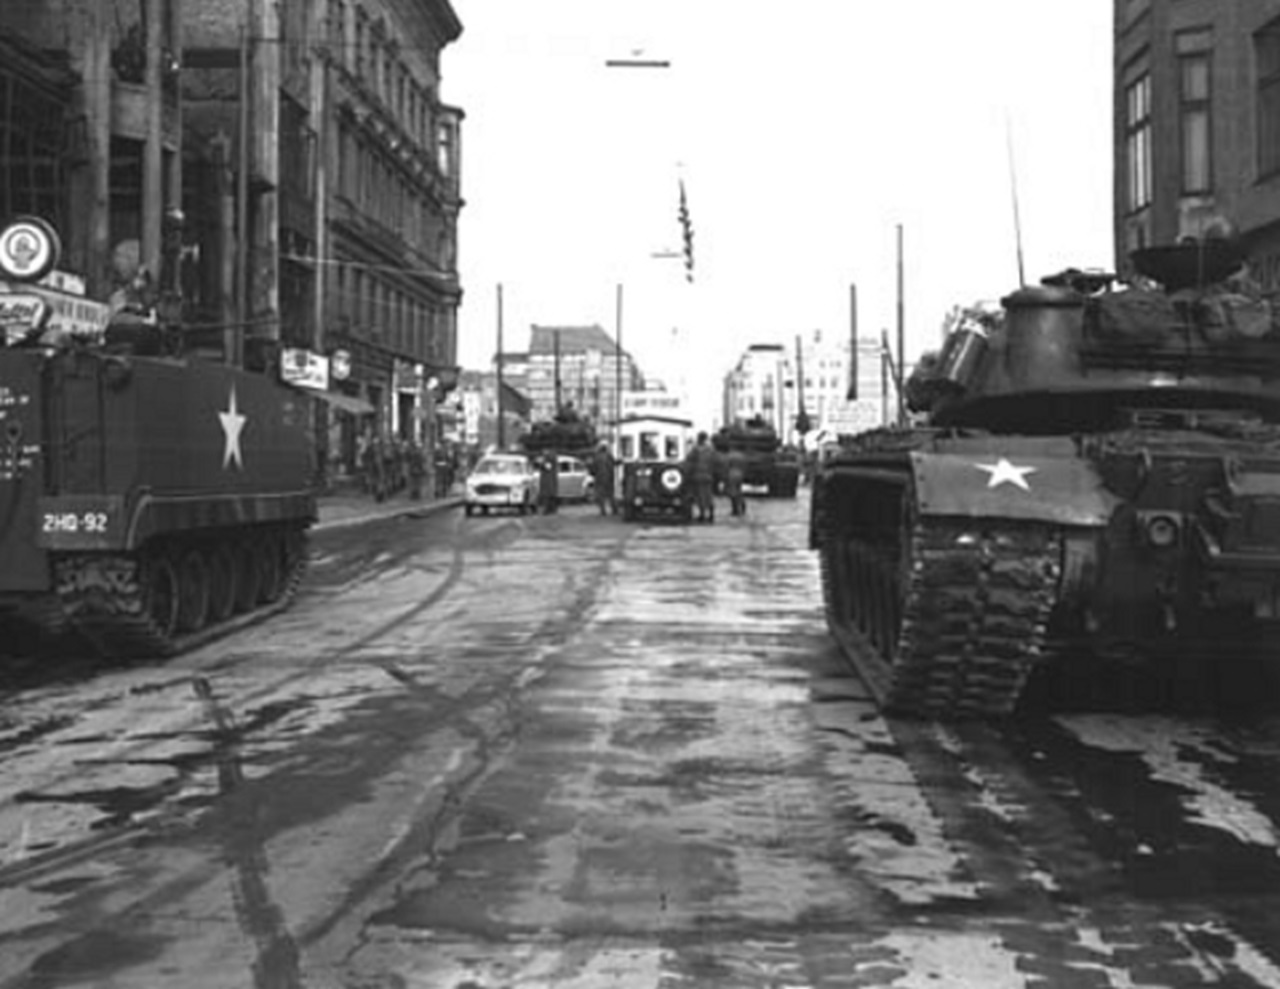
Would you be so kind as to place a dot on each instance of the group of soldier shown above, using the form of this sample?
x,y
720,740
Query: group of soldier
x,y
388,466
703,465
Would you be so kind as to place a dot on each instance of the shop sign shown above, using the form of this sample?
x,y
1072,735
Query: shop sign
x,y
304,368
340,365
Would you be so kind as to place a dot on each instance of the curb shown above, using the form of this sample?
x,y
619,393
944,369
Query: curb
x,y
419,510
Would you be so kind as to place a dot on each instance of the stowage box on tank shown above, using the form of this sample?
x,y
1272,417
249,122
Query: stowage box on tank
x,y
1094,467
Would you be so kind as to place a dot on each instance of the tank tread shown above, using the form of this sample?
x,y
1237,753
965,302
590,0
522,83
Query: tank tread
x,y
974,613
105,600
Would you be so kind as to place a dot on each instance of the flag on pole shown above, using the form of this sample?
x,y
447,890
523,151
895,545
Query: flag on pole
x,y
686,228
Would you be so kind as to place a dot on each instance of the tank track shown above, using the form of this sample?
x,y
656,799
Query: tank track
x,y
967,622
105,599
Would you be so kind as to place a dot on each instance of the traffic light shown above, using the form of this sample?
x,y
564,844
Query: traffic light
x,y
686,228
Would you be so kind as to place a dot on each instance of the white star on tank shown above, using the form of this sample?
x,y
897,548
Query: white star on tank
x,y
232,422
1003,472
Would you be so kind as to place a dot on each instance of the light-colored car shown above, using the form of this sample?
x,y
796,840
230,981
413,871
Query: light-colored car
x,y
573,481
502,480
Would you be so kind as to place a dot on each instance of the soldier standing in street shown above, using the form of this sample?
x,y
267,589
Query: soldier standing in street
x,y
602,474
735,474
701,464
417,469
549,484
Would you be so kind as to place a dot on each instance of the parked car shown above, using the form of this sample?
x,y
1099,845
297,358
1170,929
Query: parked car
x,y
574,480
502,480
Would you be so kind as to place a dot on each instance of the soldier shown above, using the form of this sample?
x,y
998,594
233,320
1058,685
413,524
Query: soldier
x,y
701,464
602,473
417,469
735,474
549,484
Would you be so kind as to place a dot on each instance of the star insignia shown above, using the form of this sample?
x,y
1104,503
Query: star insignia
x,y
232,423
1003,472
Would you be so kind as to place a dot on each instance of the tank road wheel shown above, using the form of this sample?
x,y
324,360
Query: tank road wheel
x,y
161,594
194,584
268,560
222,583
248,576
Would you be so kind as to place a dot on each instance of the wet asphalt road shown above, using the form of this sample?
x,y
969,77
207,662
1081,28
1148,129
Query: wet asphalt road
x,y
568,752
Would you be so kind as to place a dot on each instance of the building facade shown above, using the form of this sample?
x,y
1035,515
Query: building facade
x,y
843,392
580,366
1197,126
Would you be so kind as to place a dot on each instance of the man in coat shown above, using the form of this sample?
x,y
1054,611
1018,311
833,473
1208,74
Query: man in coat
x,y
602,476
701,465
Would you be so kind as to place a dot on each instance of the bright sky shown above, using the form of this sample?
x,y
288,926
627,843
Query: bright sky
x,y
805,132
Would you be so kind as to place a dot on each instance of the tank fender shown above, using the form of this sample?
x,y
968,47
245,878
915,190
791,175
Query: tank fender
x,y
1062,490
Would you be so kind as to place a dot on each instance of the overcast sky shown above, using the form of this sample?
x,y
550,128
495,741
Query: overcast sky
x,y
805,132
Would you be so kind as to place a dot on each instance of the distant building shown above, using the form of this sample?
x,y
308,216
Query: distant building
x,y
1197,125
765,383
477,400
577,365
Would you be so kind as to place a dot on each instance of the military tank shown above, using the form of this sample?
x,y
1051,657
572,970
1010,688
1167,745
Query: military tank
x,y
147,499
767,462
566,433
1092,465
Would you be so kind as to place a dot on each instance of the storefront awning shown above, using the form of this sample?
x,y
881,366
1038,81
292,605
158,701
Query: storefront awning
x,y
344,403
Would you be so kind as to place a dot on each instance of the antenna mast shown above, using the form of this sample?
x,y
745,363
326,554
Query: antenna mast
x,y
1013,185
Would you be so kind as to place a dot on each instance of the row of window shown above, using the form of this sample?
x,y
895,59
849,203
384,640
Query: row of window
x,y
394,318
372,182
1194,65
366,50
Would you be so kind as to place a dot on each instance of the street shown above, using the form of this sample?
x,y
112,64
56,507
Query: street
x,y
565,751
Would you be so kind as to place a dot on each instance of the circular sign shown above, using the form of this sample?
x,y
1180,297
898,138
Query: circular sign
x,y
340,365
671,478
29,249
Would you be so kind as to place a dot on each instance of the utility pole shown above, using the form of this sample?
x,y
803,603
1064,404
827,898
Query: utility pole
x,y
617,373
556,338
802,414
852,393
502,437
902,356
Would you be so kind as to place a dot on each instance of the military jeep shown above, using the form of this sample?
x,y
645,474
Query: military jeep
x,y
656,488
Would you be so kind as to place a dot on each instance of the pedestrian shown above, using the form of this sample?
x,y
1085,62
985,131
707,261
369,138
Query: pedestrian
x,y
549,484
417,469
603,469
735,474
701,465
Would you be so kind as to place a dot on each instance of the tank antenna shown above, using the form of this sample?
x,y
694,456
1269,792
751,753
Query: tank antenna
x,y
1013,185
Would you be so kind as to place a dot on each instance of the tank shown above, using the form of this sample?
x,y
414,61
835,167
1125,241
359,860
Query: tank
x,y
147,500
768,463
568,434
1091,468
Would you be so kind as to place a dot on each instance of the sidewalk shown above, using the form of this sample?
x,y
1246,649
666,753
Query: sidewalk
x,y
352,507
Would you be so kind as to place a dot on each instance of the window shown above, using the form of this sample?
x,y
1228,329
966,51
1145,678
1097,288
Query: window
x,y
1138,142
1266,45
1194,100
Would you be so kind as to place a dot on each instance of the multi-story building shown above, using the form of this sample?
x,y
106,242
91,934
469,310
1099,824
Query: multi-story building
x,y
578,365
1197,125
285,172
840,394
477,397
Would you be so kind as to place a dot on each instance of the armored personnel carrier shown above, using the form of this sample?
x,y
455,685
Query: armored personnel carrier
x,y
1096,467
146,498
768,464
